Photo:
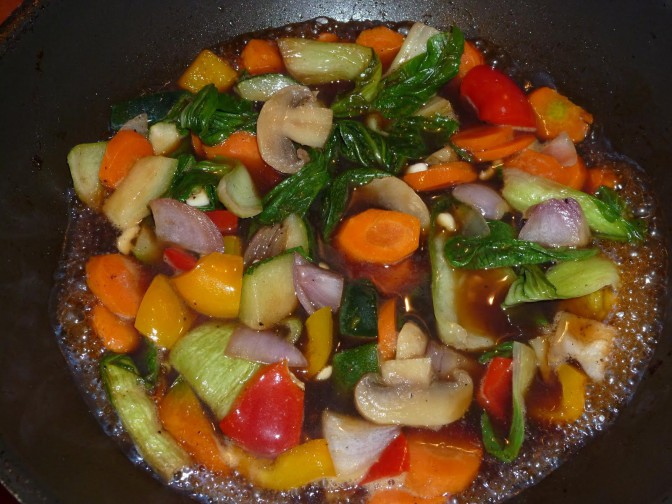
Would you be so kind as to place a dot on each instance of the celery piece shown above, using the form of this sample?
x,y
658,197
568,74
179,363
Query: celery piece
x,y
139,416
84,162
314,62
522,190
262,87
215,377
579,278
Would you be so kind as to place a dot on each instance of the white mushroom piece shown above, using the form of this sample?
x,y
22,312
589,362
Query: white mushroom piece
x,y
291,115
587,341
406,393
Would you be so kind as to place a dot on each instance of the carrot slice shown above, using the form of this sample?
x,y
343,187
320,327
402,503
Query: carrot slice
x,y
556,113
471,57
262,56
327,37
441,176
117,281
384,41
183,417
117,335
506,149
482,137
387,329
379,236
243,146
543,165
197,145
122,151
444,461
398,496
600,176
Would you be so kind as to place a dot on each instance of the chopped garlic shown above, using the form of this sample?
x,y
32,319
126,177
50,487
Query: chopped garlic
x,y
447,221
417,168
198,199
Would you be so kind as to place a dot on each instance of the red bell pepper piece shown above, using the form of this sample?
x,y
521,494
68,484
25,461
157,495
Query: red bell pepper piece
x,y
267,417
179,259
497,98
392,461
496,389
226,222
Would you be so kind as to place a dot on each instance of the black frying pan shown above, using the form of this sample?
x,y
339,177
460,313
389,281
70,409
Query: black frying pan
x,y
63,63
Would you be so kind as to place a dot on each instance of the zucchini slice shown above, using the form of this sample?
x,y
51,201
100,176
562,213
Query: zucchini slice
x,y
262,87
84,162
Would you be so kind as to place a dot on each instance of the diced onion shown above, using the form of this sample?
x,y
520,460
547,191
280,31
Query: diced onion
x,y
484,199
316,287
562,149
263,346
556,223
178,223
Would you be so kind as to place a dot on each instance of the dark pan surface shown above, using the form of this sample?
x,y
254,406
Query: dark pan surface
x,y
66,62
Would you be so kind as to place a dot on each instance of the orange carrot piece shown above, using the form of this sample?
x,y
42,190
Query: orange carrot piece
x,y
327,37
556,113
398,496
441,176
471,57
117,335
197,145
482,138
387,329
444,461
600,176
117,281
183,417
262,56
384,41
506,149
543,165
243,146
379,236
122,151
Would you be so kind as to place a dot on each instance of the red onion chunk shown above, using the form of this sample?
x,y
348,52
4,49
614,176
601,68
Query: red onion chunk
x,y
267,242
556,223
263,346
562,149
484,199
178,223
316,287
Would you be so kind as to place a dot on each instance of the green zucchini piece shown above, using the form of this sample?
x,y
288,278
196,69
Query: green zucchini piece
x,y
296,233
149,178
262,87
237,193
156,106
146,247
268,294
358,315
215,377
314,62
84,162
139,416
350,365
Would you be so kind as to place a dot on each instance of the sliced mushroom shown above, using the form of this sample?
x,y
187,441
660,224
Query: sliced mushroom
x,y
411,342
393,193
291,114
587,341
441,403
417,371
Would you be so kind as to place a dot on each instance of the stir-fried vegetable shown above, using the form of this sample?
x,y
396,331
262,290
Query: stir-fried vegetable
x,y
325,251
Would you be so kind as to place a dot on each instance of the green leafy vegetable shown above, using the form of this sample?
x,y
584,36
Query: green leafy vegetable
x,y
193,176
358,315
367,85
156,106
296,193
362,146
607,216
502,350
418,136
524,367
531,285
214,116
406,89
500,248
336,198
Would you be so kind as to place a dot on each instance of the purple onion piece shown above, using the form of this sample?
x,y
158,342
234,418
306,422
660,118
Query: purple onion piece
x,y
178,223
316,287
562,149
556,223
483,198
263,346
267,242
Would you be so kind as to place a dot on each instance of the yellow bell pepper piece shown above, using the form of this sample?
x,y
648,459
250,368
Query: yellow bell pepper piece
x,y
232,245
295,468
573,402
163,317
208,68
320,330
213,287
595,306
